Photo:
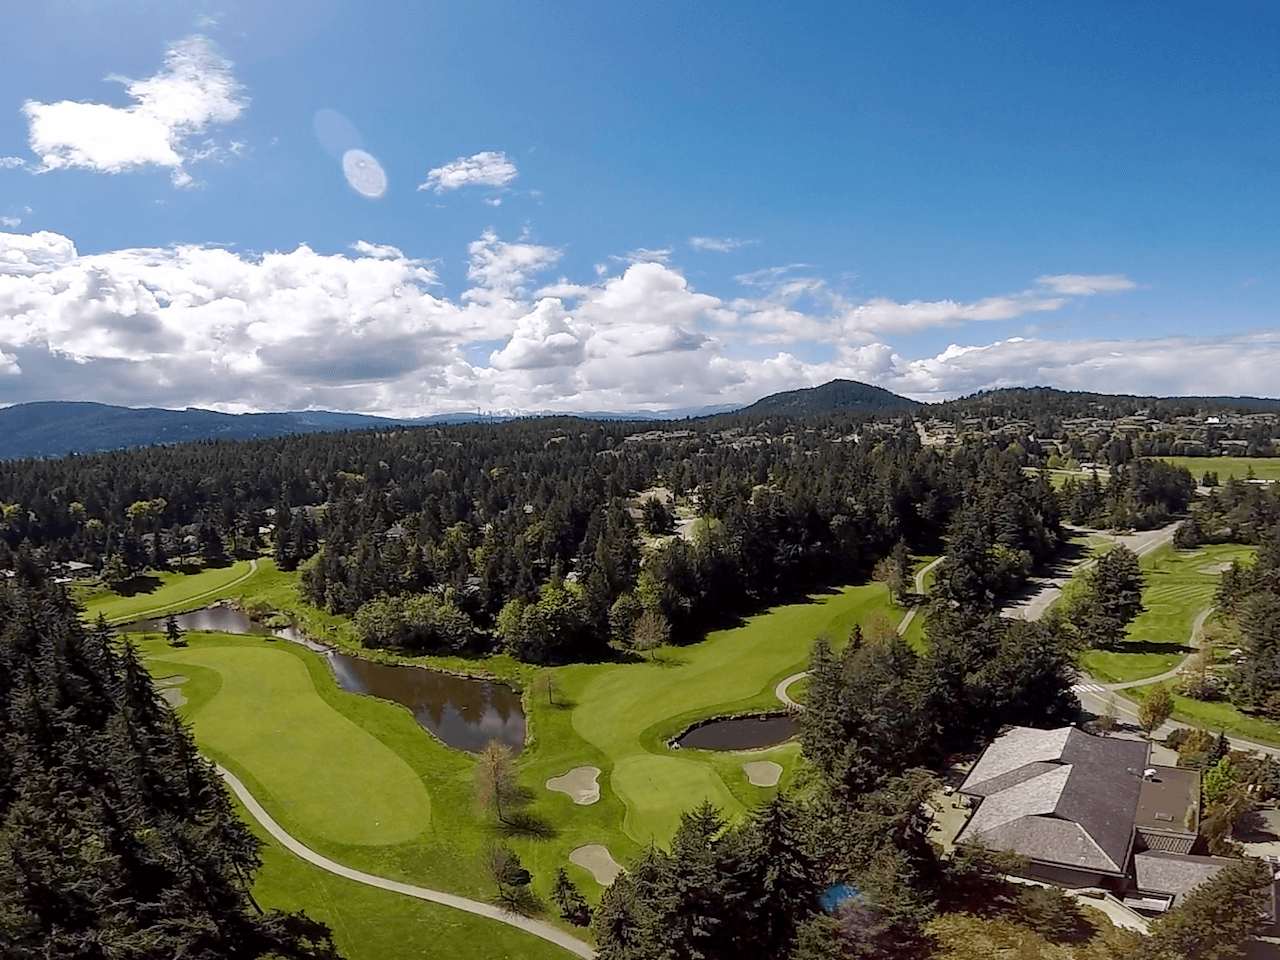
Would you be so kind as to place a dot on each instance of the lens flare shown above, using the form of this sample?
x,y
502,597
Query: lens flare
x,y
364,173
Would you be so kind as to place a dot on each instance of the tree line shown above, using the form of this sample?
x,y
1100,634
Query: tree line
x,y
116,838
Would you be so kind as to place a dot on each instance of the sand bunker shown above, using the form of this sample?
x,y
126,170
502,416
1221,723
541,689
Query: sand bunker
x,y
1216,568
598,861
168,687
580,784
762,773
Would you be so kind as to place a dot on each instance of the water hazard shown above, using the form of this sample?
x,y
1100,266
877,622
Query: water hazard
x,y
741,733
464,712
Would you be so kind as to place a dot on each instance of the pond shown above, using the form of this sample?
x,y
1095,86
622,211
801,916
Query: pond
x,y
741,733
464,712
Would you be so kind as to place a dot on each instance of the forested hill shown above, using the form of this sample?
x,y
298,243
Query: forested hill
x,y
838,396
1029,403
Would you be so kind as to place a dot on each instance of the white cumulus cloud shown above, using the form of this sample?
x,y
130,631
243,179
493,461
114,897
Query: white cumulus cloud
x,y
194,90
369,330
488,168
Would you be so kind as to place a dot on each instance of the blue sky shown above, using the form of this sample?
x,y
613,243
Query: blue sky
x,y
643,205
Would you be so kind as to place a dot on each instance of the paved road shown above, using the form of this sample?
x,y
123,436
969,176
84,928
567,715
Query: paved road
x,y
1050,588
536,927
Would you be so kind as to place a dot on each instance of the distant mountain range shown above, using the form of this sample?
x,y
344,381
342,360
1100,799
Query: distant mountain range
x,y
57,428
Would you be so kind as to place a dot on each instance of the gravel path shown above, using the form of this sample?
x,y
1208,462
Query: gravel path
x,y
145,614
536,927
780,691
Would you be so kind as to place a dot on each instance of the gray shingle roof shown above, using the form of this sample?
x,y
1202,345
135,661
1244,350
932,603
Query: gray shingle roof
x,y
1173,873
1058,796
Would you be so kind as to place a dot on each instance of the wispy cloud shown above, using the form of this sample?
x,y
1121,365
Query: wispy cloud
x,y
719,245
11,163
194,90
1084,285
644,255
488,168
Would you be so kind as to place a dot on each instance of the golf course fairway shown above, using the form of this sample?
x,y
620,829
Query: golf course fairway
x,y
358,780
317,764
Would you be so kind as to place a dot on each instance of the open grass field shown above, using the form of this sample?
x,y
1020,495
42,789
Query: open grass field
x,y
1180,583
358,780
1264,468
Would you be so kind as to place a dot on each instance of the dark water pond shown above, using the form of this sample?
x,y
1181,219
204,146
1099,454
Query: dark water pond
x,y
741,733
464,712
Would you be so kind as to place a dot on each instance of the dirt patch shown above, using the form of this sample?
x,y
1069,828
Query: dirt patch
x,y
597,859
580,784
1213,568
762,773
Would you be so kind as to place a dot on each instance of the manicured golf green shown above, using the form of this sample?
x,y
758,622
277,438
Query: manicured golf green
x,y
316,763
176,592
1264,468
1180,584
358,780
628,711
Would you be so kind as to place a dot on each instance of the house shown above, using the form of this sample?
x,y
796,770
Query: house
x,y
1089,811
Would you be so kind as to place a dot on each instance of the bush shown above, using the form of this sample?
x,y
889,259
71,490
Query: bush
x,y
421,622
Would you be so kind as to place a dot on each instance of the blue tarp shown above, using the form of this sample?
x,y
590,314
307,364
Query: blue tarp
x,y
834,896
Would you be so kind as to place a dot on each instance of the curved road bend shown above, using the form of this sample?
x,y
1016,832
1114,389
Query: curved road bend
x,y
780,691
1048,590
536,927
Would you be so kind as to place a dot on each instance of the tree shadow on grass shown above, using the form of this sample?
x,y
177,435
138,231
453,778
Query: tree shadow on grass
x,y
527,825
1147,646
142,583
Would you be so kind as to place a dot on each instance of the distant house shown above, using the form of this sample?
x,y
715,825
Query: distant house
x,y
1089,811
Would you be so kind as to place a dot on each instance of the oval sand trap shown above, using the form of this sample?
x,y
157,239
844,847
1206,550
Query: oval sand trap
x,y
580,784
168,688
762,773
598,861
1213,568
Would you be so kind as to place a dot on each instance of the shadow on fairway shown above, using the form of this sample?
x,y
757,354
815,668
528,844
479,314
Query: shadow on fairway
x,y
527,825
143,583
1147,646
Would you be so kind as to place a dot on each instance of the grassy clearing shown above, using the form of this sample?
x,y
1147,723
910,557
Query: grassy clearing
x,y
1264,468
172,592
1180,583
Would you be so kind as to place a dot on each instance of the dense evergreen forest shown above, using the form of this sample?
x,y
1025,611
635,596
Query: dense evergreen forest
x,y
116,838
530,533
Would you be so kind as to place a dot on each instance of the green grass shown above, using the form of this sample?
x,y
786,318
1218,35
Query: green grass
x,y
1264,468
358,780
174,592
1216,715
1180,583
373,924
323,768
